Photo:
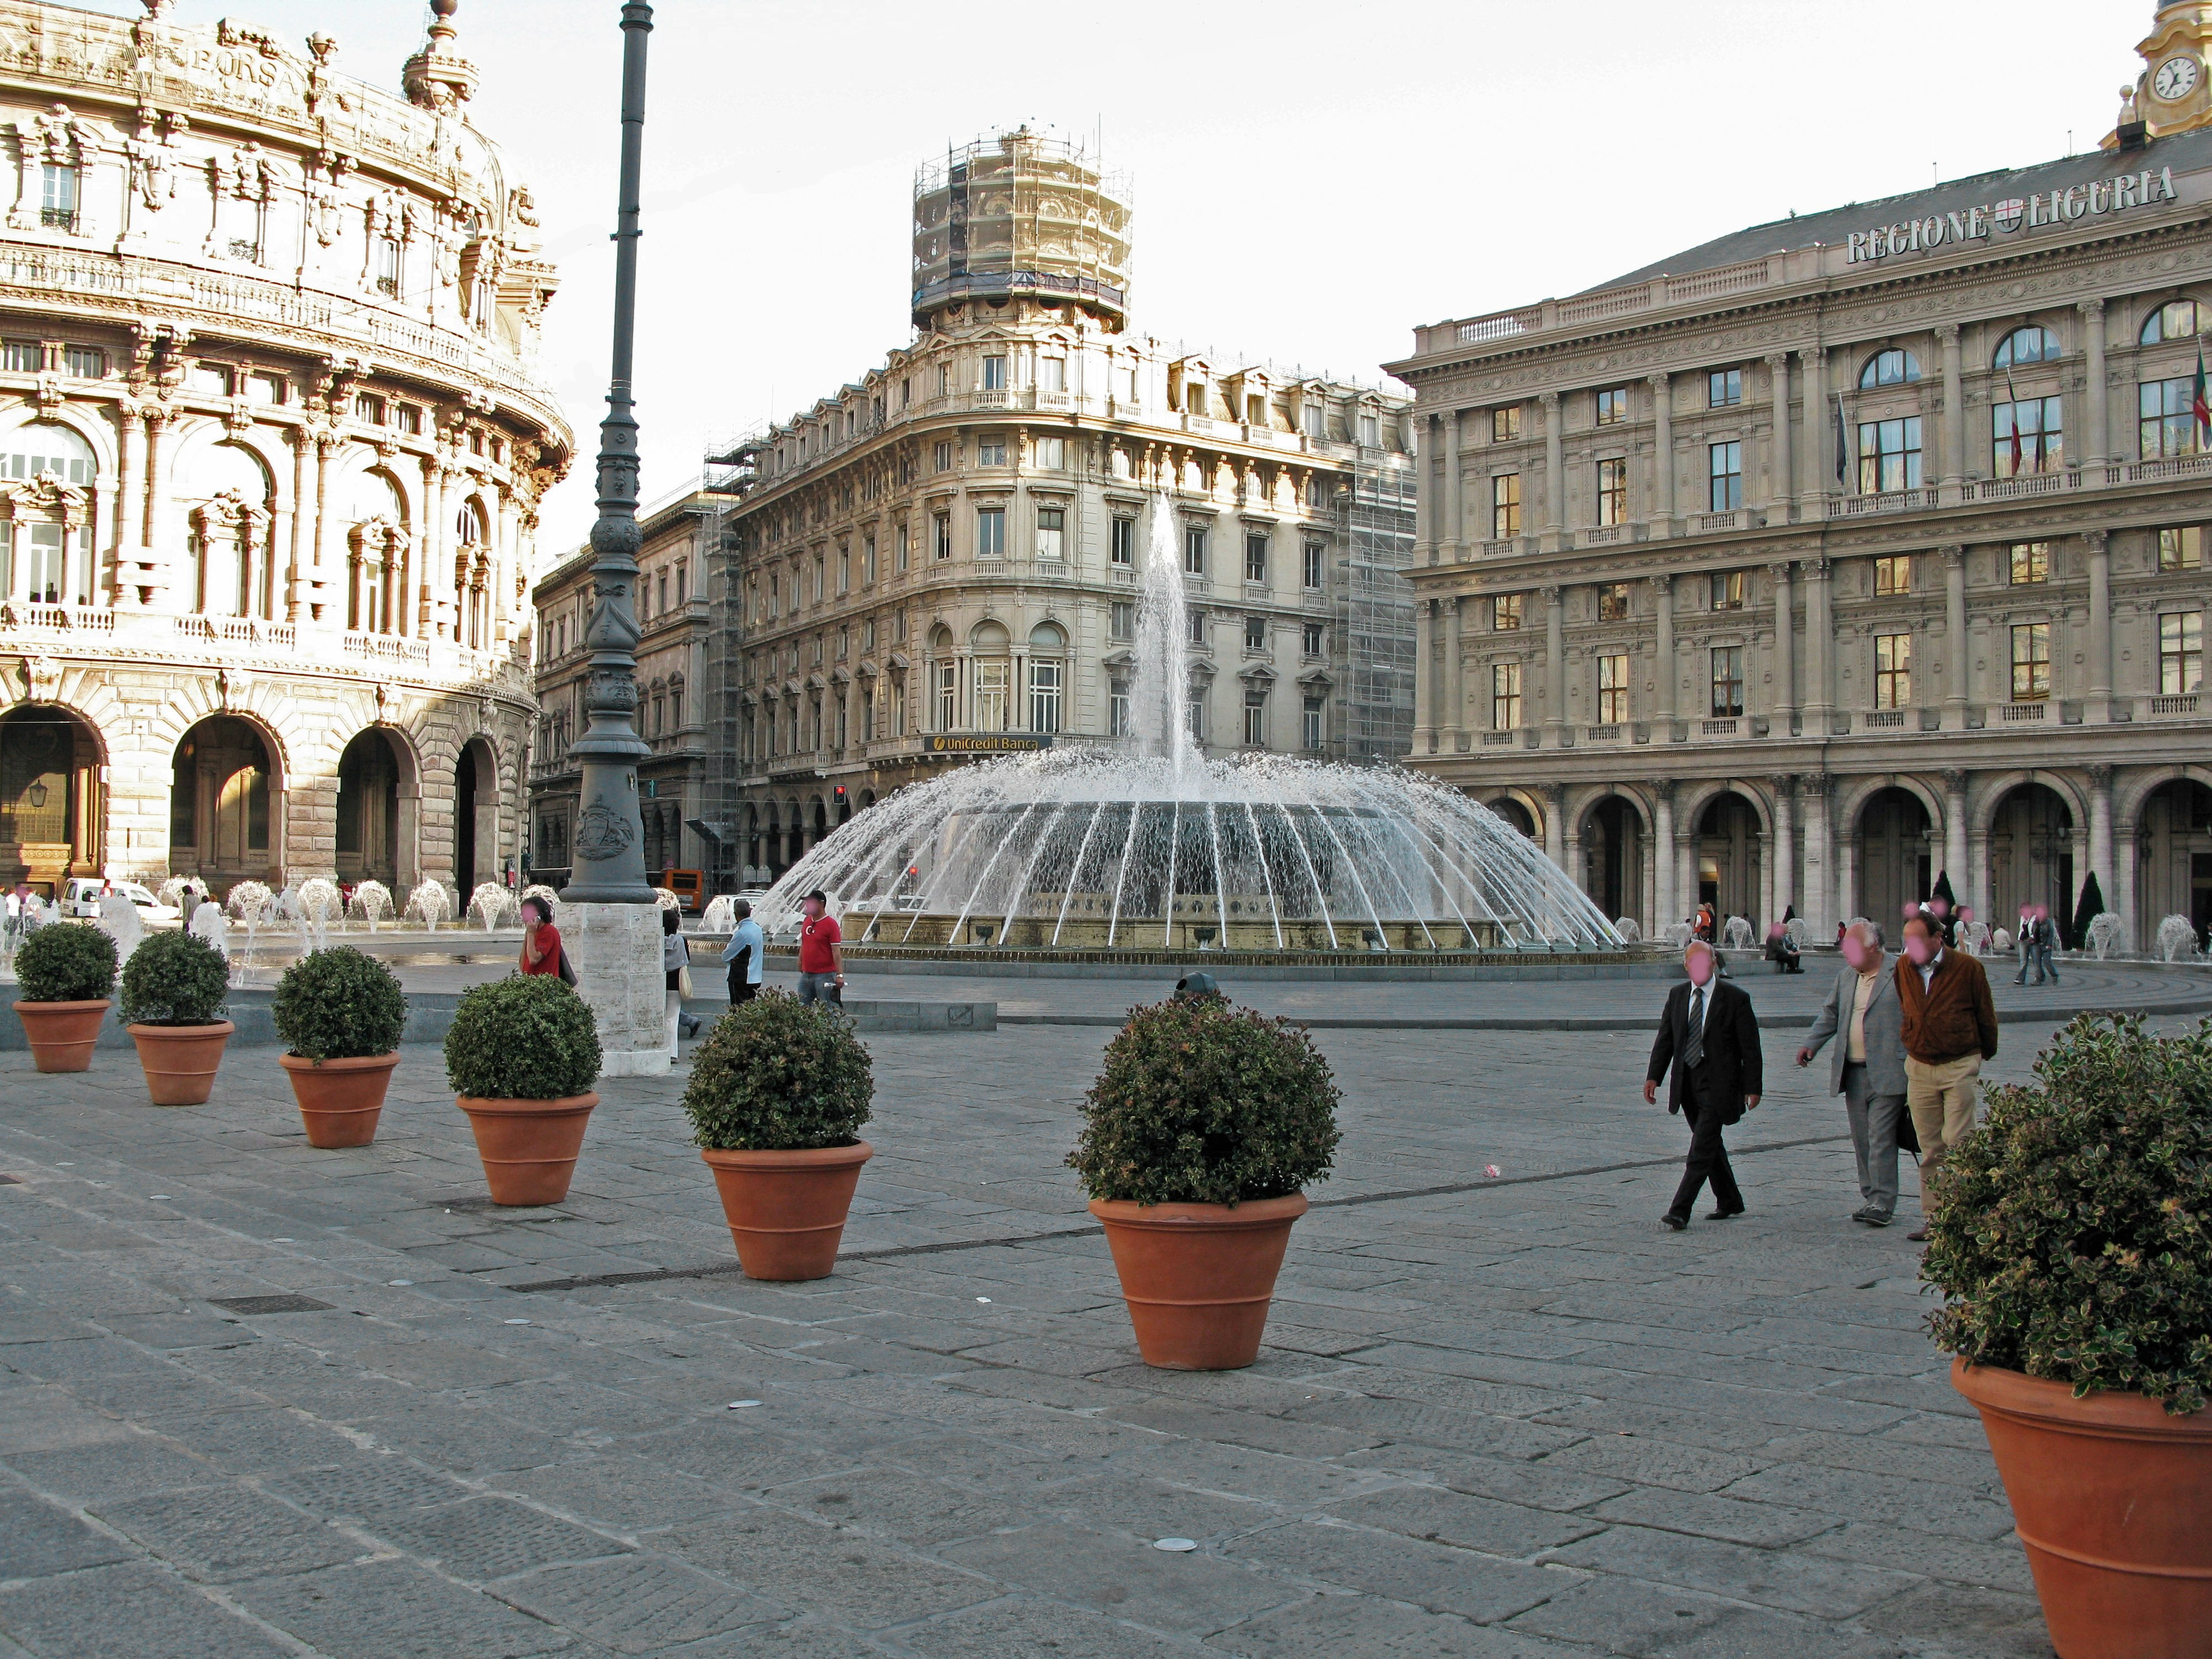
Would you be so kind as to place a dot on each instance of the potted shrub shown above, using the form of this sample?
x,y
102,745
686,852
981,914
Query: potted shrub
x,y
2072,1239
522,1056
172,994
341,1015
66,972
778,1091
1197,1137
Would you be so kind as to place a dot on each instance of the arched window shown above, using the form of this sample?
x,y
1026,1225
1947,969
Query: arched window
x,y
1048,676
375,516
993,670
2177,320
944,679
46,546
44,446
1892,367
230,566
2027,345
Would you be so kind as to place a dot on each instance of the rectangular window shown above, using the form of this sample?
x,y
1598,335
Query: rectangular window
x,y
943,544
1255,557
1051,454
1612,689
1121,623
1117,708
1613,491
1314,416
1313,730
1255,410
1893,671
58,205
1889,455
1893,575
2030,662
1122,549
1044,696
1505,612
1613,406
948,696
1193,397
906,392
1728,680
1724,388
1724,468
2031,563
388,267
90,363
2167,427
943,459
991,709
1198,628
1255,720
990,452
901,548
2181,548
1194,550
1728,590
844,571
1193,718
1314,567
1255,633
367,409
1505,425
1504,697
990,532
944,379
23,357
868,562
995,374
1052,374
1613,602
1052,533
1504,506
2026,436
213,380
2180,653
1370,431
1313,640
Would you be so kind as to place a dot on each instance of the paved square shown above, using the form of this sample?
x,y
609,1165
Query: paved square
x,y
1496,1416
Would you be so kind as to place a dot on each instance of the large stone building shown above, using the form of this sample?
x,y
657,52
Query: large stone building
x,y
1810,562
942,558
272,437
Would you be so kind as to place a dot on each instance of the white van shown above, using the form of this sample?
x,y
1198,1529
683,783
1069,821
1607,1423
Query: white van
x,y
82,895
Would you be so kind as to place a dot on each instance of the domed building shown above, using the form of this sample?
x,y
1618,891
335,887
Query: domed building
x,y
272,439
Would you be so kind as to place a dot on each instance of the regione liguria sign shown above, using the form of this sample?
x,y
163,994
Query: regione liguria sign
x,y
2017,213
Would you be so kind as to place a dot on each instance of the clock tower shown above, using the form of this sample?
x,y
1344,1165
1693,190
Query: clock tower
x,y
2174,92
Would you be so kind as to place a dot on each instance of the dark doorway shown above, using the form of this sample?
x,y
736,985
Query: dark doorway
x,y
1729,857
1612,858
2031,855
1895,858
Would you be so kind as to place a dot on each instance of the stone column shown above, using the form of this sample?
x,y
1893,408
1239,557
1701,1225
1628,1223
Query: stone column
x,y
1555,812
2097,440
1555,667
1451,684
1662,454
1819,917
156,519
2099,706
1819,436
437,573
1954,413
1555,465
2101,833
1454,536
1666,671
1819,651
2121,892
1847,882
130,503
299,590
1955,638
1785,714
1779,472
1785,849
325,443
1954,834
1424,708
1426,512
1665,858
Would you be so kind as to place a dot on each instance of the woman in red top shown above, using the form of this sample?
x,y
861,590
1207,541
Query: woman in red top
x,y
541,939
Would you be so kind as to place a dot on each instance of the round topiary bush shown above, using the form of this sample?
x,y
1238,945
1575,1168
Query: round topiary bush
x,y
66,962
2072,1231
173,979
777,1075
1203,1103
337,1004
523,1037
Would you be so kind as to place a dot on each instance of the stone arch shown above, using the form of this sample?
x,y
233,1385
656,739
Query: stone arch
x,y
1896,836
1520,809
82,420
2029,822
2130,799
228,493
1696,796
380,807
1858,791
1989,794
227,817
1612,828
1731,833
53,812
476,799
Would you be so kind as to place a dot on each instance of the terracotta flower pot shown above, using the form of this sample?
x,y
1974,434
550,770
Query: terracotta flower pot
x,y
340,1099
180,1061
2113,1499
786,1210
61,1034
1198,1278
528,1148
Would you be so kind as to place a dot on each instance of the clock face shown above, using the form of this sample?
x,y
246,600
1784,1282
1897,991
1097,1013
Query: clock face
x,y
2176,78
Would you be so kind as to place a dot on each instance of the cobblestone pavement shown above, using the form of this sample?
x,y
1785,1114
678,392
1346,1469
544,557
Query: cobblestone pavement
x,y
1496,1416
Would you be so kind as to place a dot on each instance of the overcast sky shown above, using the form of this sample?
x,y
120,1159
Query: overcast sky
x,y
1311,179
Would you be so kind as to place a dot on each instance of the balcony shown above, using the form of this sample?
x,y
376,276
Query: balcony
x,y
2022,713
1609,733
1885,719
1893,501
1720,728
2173,705
1498,739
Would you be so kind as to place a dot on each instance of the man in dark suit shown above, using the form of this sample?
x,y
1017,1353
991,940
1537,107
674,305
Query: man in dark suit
x,y
1708,1048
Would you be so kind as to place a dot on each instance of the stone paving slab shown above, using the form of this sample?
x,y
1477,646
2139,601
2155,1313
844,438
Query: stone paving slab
x,y
1496,1416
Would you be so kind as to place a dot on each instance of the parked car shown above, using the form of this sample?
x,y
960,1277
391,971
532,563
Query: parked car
x,y
83,896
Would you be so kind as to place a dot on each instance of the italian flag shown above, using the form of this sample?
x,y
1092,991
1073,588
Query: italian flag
x,y
2198,405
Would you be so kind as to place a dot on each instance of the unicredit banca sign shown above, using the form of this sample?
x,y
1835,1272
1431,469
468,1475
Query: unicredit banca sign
x,y
1979,224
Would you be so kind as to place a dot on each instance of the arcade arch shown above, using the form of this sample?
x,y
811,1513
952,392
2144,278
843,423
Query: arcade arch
x,y
52,810
226,803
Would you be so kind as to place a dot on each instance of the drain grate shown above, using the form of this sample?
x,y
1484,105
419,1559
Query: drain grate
x,y
269,1304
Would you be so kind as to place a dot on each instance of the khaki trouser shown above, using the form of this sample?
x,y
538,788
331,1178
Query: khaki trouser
x,y
1941,1098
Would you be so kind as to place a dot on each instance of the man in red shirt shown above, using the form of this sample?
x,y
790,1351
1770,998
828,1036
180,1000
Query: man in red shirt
x,y
821,951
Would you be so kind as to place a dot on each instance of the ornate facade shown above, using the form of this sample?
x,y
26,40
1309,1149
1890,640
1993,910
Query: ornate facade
x,y
942,559
272,438
1804,565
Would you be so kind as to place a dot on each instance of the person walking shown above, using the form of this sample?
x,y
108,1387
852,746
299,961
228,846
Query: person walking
x,y
821,951
1708,1050
746,953
1949,1025
1867,1067
2024,942
676,962
2046,944
541,939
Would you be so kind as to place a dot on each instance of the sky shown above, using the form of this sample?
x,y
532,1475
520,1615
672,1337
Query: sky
x,y
1310,180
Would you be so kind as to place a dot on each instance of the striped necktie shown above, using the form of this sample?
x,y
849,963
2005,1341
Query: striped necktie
x,y
1693,1047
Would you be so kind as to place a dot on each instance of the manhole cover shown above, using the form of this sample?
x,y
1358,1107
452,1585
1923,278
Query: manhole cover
x,y
269,1304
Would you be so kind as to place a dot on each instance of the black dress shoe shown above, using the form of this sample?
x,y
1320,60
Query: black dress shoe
x,y
1676,1223
1724,1215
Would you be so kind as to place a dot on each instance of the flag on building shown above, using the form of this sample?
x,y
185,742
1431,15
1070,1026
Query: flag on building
x,y
2198,405
1843,448
2013,393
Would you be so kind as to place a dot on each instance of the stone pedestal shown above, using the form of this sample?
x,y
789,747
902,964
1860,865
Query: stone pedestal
x,y
615,951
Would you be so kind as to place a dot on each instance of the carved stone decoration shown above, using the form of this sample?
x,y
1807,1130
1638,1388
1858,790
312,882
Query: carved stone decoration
x,y
42,679
602,833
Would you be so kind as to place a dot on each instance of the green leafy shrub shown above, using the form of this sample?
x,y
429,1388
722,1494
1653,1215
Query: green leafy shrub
x,y
173,979
66,962
2072,1231
777,1075
523,1037
1203,1103
337,1004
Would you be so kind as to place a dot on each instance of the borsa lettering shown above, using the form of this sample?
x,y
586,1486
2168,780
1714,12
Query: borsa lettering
x,y
1976,224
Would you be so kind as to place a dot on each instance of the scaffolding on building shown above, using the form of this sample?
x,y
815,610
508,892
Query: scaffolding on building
x,y
730,470
1374,608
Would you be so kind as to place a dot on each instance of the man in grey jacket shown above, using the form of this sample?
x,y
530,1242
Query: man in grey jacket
x,y
1867,1067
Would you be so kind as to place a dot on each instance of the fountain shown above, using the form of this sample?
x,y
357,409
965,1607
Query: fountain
x,y
720,916
428,900
1147,844
208,927
372,899
251,900
319,903
120,920
492,903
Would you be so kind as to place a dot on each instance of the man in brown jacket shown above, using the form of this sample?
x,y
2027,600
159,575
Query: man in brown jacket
x,y
1950,1028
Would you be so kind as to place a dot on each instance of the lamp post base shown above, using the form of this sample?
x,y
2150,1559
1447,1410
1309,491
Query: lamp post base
x,y
615,951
